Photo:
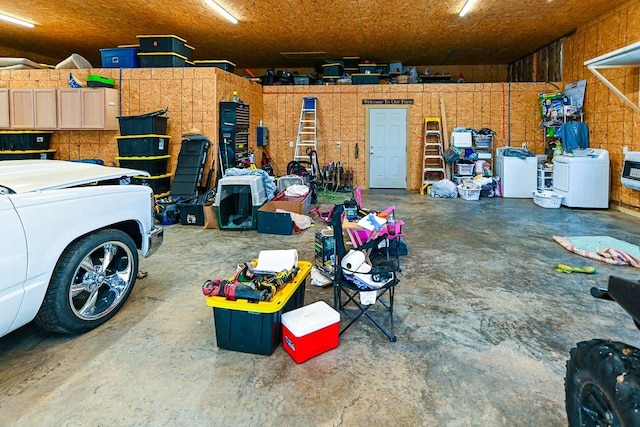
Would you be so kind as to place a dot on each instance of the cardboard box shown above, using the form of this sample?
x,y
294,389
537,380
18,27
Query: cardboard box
x,y
310,330
254,327
325,251
272,222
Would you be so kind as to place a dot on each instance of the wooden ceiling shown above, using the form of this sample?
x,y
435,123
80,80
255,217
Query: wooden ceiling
x,y
426,32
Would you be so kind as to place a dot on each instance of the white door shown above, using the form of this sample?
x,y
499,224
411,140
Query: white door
x,y
388,148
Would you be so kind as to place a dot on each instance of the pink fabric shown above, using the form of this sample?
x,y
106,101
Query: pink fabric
x,y
608,255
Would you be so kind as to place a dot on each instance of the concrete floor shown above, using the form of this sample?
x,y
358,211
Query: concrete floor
x,y
484,327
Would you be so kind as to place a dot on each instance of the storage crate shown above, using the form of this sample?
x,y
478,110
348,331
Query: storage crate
x,y
166,43
218,63
255,327
159,184
547,199
464,168
143,145
482,141
468,193
144,124
367,68
25,140
304,201
365,79
191,214
350,61
120,57
303,79
330,79
310,330
162,59
27,154
155,165
333,69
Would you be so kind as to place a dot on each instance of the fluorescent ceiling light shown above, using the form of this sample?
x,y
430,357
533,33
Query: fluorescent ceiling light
x,y
222,11
16,21
466,7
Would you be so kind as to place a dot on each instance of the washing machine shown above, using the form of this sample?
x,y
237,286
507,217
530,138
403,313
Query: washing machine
x,y
518,176
582,179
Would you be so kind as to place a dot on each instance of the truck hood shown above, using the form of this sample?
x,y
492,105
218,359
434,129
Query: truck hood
x,y
23,176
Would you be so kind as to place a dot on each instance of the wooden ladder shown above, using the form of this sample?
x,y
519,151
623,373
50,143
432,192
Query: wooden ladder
x,y
433,164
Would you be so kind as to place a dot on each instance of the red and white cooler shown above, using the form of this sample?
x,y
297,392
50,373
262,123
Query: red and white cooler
x,y
310,330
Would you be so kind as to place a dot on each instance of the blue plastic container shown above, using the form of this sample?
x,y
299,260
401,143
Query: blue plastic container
x,y
120,57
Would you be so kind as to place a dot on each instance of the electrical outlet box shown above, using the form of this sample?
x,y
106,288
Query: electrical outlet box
x,y
624,149
290,143
338,143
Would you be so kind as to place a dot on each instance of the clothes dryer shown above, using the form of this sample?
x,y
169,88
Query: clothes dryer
x,y
583,179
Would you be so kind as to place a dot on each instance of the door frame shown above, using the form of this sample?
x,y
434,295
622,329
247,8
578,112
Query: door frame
x,y
367,139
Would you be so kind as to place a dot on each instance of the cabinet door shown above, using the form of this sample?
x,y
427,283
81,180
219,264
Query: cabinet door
x,y
69,109
21,105
4,109
99,109
45,109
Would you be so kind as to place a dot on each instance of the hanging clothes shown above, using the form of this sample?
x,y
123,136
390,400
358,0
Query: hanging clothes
x,y
574,135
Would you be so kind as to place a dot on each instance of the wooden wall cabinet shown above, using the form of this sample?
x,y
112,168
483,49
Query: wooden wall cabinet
x,y
33,108
88,108
4,109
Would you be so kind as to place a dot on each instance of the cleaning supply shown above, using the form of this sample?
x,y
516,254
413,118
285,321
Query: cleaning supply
x,y
563,268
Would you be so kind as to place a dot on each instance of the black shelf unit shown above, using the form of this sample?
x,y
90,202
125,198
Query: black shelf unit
x,y
234,134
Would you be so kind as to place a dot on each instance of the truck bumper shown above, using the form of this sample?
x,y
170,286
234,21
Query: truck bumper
x,y
154,240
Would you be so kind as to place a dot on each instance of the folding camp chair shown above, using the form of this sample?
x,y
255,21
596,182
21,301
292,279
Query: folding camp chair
x,y
356,284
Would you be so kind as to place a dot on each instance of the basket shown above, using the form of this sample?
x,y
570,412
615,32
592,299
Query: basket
x,y
482,141
547,199
464,168
468,193
452,154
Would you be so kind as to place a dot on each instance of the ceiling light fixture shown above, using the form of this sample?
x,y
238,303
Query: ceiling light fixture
x,y
16,21
222,11
466,7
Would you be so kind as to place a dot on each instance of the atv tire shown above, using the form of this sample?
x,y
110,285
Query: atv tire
x,y
602,384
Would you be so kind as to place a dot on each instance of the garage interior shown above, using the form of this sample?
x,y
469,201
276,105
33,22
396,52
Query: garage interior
x,y
484,322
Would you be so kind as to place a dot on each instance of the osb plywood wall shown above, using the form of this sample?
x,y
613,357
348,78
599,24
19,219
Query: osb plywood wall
x,y
612,124
511,110
191,96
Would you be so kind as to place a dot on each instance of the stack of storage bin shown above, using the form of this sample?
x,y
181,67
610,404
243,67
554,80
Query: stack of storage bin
x,y
164,51
144,145
25,144
238,199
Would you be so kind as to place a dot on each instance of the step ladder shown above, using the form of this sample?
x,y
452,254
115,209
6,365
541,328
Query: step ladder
x,y
433,164
307,130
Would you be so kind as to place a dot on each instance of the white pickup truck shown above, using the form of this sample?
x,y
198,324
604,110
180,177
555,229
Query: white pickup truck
x,y
69,240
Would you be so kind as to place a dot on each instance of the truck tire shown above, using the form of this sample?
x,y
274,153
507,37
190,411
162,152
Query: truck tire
x,y
91,281
602,384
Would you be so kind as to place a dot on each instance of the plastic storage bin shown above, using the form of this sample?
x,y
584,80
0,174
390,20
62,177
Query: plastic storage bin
x,y
365,79
27,154
334,69
144,124
305,201
155,165
254,327
238,199
159,184
143,145
367,68
120,57
166,43
162,59
218,63
191,214
25,140
310,330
